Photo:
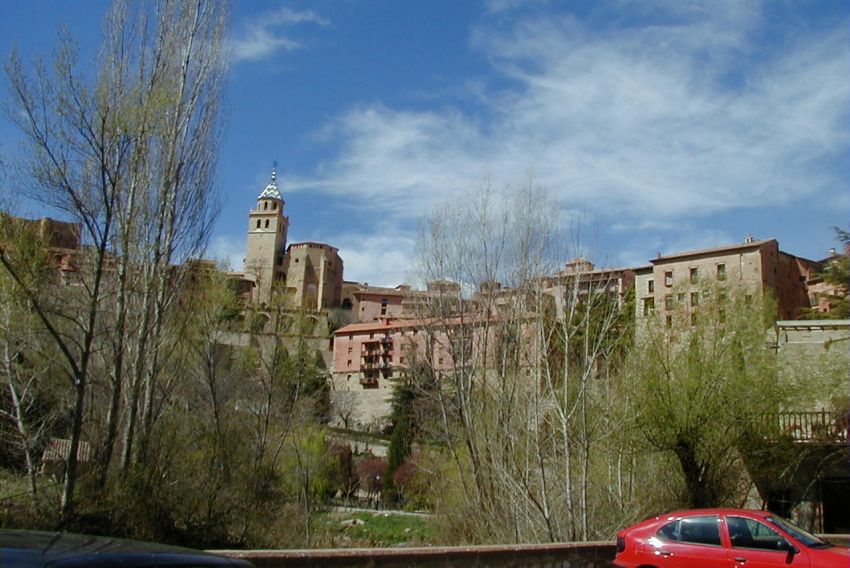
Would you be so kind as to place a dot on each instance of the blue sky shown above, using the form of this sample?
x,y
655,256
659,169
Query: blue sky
x,y
665,126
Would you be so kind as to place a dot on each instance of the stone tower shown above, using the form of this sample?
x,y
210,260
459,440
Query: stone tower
x,y
267,226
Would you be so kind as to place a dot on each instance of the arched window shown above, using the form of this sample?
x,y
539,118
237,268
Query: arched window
x,y
267,223
258,223
274,205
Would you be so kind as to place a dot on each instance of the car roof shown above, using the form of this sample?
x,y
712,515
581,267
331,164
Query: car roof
x,y
716,511
66,550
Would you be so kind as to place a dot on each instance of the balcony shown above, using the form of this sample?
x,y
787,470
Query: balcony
x,y
818,427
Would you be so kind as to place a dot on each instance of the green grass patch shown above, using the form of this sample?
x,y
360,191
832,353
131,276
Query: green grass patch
x,y
378,529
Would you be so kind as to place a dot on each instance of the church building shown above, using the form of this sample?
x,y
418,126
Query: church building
x,y
306,275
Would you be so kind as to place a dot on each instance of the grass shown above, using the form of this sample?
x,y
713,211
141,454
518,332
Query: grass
x,y
379,529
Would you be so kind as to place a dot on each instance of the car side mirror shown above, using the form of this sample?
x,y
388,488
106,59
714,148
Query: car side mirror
x,y
783,544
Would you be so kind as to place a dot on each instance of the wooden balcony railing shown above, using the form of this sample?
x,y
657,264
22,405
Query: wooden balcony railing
x,y
819,426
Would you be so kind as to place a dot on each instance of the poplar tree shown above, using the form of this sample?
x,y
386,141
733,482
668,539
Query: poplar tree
x,y
127,151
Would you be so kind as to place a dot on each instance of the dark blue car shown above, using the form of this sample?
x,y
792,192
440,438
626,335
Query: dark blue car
x,y
26,549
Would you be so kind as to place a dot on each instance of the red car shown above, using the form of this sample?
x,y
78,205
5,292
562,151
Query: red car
x,y
713,538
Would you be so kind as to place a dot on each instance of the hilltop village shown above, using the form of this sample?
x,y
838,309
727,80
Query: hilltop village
x,y
356,349
368,355
375,332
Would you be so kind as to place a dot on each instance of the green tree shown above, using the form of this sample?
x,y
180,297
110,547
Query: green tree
x,y
699,380
403,434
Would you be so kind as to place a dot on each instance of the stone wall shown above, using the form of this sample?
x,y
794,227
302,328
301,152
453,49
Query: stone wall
x,y
572,555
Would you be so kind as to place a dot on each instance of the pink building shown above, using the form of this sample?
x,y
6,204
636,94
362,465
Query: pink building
x,y
373,303
368,352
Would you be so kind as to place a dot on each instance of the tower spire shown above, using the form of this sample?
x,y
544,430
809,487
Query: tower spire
x,y
271,191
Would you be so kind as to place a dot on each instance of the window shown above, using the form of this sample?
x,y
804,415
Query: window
x,y
648,306
694,299
669,321
650,286
267,223
668,278
721,271
696,530
258,223
440,362
274,205
693,318
749,533
694,275
348,364
668,302
680,297
349,349
383,311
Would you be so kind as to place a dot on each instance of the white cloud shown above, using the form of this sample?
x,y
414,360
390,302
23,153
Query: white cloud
x,y
267,34
228,251
381,259
687,118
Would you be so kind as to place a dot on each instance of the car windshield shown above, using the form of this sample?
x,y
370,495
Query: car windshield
x,y
804,537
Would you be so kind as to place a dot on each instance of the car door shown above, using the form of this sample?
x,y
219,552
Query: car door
x,y
756,545
691,542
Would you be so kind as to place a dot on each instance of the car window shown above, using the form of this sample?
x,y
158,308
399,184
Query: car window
x,y
803,536
696,530
749,533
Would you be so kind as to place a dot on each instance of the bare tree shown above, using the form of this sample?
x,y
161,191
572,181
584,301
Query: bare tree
x,y
128,156
519,369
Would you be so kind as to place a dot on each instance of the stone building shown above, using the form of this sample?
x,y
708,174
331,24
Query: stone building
x,y
266,243
375,303
756,266
312,273
309,274
581,279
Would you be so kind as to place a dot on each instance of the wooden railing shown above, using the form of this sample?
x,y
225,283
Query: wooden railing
x,y
815,426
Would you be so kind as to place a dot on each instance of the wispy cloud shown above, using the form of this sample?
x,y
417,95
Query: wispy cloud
x,y
381,259
678,114
269,33
228,252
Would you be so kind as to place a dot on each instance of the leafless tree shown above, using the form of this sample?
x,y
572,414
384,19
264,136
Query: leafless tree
x,y
522,403
129,156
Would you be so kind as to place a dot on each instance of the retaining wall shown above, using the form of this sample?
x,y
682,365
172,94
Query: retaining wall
x,y
572,555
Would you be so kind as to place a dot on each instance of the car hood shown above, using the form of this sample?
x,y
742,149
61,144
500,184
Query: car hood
x,y
36,548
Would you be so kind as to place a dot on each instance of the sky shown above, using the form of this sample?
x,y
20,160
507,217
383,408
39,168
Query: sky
x,y
662,126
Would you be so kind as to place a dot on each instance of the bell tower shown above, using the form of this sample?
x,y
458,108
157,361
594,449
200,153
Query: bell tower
x,y
266,243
